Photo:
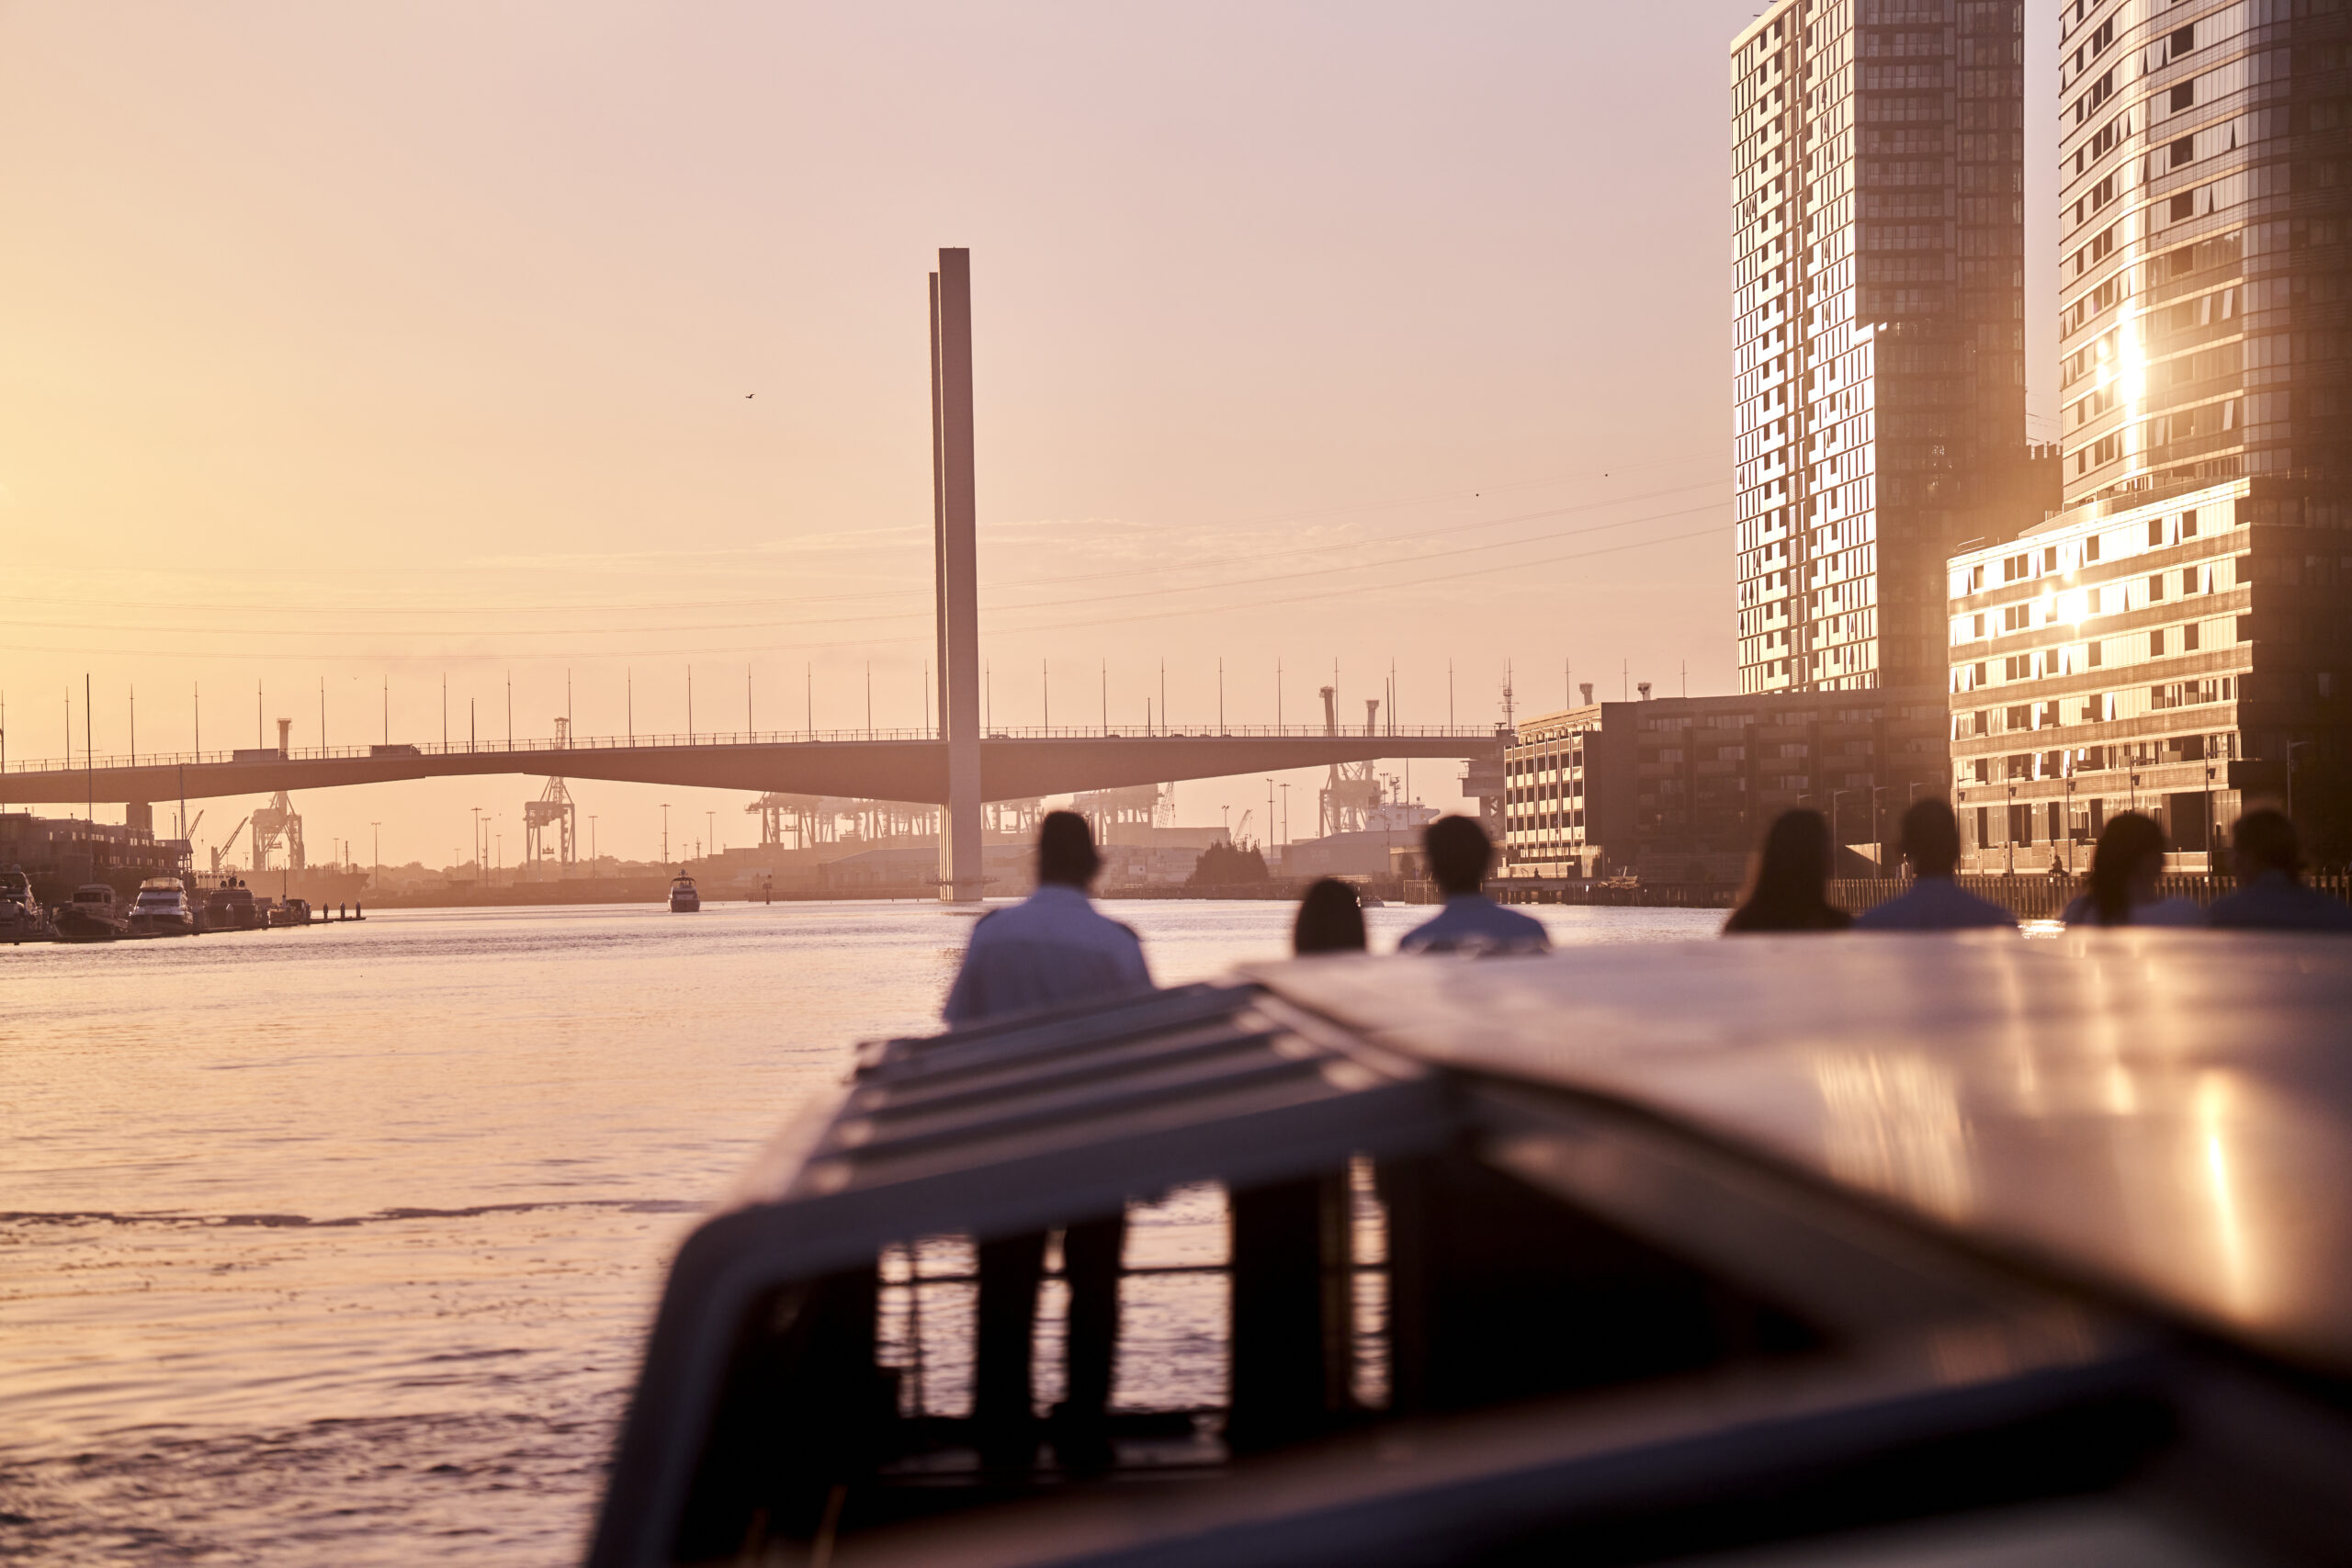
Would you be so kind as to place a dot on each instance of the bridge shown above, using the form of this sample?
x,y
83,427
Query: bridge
x,y
878,764
958,766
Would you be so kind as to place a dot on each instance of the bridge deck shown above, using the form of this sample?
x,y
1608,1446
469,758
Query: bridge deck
x,y
909,765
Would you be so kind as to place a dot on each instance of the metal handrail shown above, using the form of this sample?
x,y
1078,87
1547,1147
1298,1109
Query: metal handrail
x,y
251,756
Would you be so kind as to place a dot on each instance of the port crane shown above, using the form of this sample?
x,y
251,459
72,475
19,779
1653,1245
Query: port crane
x,y
1352,791
273,823
220,850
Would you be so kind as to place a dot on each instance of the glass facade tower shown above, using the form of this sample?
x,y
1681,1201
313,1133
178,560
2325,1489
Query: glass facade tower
x,y
1878,163
2204,182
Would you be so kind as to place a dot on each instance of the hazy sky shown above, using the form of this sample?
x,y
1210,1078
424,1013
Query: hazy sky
x,y
373,345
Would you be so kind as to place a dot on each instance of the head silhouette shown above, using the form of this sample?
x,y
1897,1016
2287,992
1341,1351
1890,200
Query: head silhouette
x,y
1930,839
2129,857
1330,920
1065,856
1790,889
2265,841
1459,853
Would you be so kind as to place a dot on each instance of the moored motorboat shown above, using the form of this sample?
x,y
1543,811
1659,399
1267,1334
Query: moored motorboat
x,y
291,912
92,916
232,909
684,897
162,909
21,917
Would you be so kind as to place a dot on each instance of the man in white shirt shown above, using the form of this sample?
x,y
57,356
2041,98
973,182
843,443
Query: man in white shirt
x,y
1053,947
1460,854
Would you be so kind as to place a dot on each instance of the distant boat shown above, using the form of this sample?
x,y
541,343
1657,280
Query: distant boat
x,y
20,912
291,912
162,909
91,917
232,909
683,898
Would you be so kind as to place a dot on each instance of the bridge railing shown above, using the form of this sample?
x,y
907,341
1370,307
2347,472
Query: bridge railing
x,y
543,747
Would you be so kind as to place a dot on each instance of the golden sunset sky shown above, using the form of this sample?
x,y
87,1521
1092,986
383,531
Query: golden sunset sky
x,y
374,345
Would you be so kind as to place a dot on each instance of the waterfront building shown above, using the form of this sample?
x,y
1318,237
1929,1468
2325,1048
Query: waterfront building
x,y
1878,161
2174,640
1680,789
60,854
2168,657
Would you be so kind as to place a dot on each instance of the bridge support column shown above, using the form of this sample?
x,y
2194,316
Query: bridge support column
x,y
961,874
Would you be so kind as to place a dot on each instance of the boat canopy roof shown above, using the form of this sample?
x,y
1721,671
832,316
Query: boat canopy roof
x,y
2166,1116
2044,1143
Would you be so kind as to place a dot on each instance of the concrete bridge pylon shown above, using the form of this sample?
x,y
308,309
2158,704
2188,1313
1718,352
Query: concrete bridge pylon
x,y
954,510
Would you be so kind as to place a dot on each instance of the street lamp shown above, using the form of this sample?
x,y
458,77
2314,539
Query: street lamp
x,y
375,883
2070,825
665,832
2009,832
477,811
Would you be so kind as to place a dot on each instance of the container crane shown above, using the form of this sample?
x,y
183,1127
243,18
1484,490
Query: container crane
x,y
220,850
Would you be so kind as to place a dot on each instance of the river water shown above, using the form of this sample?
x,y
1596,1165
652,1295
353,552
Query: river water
x,y
338,1245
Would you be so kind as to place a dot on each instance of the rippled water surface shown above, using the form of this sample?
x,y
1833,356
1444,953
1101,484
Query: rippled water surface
x,y
337,1244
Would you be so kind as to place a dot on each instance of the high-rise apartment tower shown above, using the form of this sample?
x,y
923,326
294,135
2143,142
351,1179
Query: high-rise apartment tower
x,y
1878,157
2206,175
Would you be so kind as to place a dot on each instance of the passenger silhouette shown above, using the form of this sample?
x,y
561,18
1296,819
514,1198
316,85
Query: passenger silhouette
x,y
1460,854
1330,920
2124,869
1789,891
1934,902
2271,895
1052,947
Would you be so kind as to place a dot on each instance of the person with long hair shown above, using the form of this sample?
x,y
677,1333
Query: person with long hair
x,y
2124,869
1330,920
1789,888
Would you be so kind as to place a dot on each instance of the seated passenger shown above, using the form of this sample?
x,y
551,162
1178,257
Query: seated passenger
x,y
1052,947
1935,902
2271,895
2124,869
1790,891
1460,854
1330,920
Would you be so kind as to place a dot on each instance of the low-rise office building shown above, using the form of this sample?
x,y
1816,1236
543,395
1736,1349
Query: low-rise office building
x,y
2169,657
1680,789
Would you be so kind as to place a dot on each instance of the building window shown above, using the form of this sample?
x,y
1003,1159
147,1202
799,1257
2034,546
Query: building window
x,y
2183,96
2156,643
2188,638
